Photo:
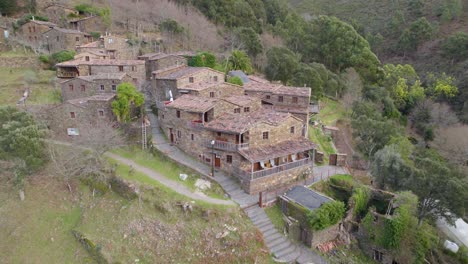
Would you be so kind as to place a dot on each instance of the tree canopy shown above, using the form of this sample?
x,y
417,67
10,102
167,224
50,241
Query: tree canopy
x,y
238,60
21,140
203,59
127,97
282,63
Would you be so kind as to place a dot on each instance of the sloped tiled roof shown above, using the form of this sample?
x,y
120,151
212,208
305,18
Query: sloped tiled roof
x,y
191,103
83,102
277,89
183,72
68,31
237,123
241,100
199,86
281,149
45,23
101,62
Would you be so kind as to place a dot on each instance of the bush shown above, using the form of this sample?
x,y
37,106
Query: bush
x,y
235,80
326,215
87,9
95,35
44,59
63,55
342,181
26,18
203,59
360,197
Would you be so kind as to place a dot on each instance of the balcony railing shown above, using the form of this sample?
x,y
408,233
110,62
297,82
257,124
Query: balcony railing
x,y
271,171
195,124
67,74
222,145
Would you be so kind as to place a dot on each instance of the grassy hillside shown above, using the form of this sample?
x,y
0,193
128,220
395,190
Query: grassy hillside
x,y
153,229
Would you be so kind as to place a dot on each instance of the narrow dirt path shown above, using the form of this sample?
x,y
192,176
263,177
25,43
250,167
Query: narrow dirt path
x,y
177,187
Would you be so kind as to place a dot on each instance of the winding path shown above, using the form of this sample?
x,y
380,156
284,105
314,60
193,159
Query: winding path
x,y
175,186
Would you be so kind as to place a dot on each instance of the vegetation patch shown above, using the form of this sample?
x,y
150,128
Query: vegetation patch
x,y
326,215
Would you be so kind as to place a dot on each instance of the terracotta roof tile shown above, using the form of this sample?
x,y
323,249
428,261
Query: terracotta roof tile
x,y
277,89
83,102
281,149
193,103
183,72
101,62
237,123
241,100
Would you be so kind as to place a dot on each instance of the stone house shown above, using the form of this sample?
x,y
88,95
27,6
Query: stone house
x,y
68,118
88,24
211,89
134,68
92,55
168,81
59,14
114,47
58,39
161,61
261,147
31,32
282,98
295,204
85,86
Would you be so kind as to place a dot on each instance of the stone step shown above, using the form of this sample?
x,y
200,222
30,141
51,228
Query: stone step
x,y
276,240
285,251
263,224
281,246
255,218
270,232
231,187
238,193
254,212
265,228
292,257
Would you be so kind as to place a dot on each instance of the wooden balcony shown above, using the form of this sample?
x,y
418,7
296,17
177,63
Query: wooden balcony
x,y
274,170
222,145
62,74
196,124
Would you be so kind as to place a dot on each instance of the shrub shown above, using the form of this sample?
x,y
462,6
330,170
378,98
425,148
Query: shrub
x,y
203,59
63,55
44,59
342,181
95,35
235,80
360,197
326,215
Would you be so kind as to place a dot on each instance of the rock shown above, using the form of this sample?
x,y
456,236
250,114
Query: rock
x,y
21,194
202,184
183,176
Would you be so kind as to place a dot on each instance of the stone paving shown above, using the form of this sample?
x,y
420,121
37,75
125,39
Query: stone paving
x,y
283,249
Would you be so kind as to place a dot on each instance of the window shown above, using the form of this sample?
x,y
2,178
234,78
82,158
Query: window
x,y
179,134
190,79
133,68
72,114
87,58
114,87
101,113
162,116
218,133
58,38
265,135
268,97
215,78
178,114
121,68
280,98
192,136
102,87
212,94
229,159
77,39
70,87
294,99
236,110
246,109
291,130
378,256
83,88
34,29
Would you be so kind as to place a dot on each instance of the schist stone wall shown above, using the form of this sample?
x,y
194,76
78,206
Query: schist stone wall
x,y
220,90
57,40
276,180
79,88
60,117
276,134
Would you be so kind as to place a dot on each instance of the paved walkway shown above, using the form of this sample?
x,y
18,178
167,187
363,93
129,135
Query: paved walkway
x,y
280,246
176,186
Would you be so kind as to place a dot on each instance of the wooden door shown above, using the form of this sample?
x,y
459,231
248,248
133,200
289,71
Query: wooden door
x,y
171,135
333,159
217,162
